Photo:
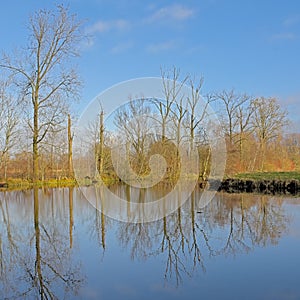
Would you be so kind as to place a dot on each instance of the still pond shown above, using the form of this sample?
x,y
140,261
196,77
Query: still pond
x,y
55,245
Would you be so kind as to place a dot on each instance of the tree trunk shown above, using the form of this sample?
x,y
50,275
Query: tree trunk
x,y
192,136
51,162
101,144
35,152
206,164
5,167
262,153
70,149
241,149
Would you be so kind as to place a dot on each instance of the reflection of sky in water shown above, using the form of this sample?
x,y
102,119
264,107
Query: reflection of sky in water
x,y
248,253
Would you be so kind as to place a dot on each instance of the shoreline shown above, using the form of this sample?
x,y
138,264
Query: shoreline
x,y
21,184
271,187
260,182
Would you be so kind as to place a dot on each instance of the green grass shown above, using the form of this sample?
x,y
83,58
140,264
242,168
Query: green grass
x,y
269,176
26,184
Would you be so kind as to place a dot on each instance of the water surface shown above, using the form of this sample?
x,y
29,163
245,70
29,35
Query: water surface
x,y
55,244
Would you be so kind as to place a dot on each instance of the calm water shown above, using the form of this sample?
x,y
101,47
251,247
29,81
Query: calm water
x,y
54,244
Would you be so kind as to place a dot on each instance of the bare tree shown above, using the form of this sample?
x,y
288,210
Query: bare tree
x,y
172,87
70,148
134,124
9,117
292,144
100,149
44,73
193,103
244,114
268,122
197,121
231,101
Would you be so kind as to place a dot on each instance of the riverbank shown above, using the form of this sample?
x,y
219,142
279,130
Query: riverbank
x,y
23,184
263,182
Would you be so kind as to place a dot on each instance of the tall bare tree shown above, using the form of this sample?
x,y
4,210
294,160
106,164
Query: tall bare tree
x,y
269,120
44,72
134,124
172,87
231,101
197,121
101,142
70,147
9,117
244,115
193,103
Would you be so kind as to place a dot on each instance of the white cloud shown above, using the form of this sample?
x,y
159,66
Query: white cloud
x,y
105,26
173,12
288,31
122,47
160,47
87,44
283,36
194,50
291,21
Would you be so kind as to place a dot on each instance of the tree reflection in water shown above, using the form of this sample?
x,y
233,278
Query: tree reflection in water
x,y
35,260
229,225
37,235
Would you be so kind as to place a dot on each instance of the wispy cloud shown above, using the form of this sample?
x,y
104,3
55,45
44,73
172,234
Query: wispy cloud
x,y
287,32
291,21
105,26
87,44
291,100
195,49
161,47
122,47
287,36
173,12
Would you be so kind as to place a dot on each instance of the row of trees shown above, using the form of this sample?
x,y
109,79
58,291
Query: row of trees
x,y
253,128
39,84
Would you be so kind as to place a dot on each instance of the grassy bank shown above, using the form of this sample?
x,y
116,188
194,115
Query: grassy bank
x,y
284,176
17,183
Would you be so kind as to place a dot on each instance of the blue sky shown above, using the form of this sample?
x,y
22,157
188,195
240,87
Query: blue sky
x,y
252,46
